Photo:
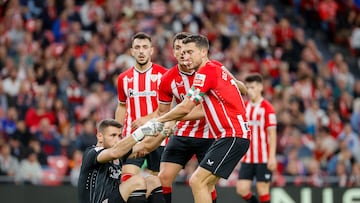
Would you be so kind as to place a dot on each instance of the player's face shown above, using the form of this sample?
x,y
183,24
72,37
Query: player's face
x,y
141,50
254,90
111,136
177,51
193,56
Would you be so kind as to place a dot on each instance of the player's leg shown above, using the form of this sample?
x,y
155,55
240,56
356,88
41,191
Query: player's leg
x,y
200,182
201,146
131,167
176,154
263,177
243,186
167,175
133,190
153,160
154,192
219,161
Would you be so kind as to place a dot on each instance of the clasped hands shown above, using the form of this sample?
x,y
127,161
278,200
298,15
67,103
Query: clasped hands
x,y
150,128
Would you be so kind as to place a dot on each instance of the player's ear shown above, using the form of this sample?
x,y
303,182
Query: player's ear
x,y
151,50
203,52
132,52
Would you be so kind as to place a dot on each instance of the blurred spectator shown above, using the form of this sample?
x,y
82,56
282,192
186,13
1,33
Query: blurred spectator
x,y
34,116
87,137
49,138
35,145
75,165
327,12
355,41
315,117
8,123
3,98
30,171
350,138
354,180
316,176
341,173
22,132
355,116
17,149
8,163
11,85
344,156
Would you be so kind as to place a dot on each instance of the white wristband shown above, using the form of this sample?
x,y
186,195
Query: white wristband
x,y
138,135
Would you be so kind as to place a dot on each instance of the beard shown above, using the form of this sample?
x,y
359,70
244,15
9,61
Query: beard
x,y
142,63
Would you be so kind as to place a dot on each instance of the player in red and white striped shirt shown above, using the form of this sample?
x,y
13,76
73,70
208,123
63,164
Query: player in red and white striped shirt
x,y
260,159
190,137
217,92
138,99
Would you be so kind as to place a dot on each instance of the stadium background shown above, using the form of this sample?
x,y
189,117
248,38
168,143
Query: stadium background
x,y
59,61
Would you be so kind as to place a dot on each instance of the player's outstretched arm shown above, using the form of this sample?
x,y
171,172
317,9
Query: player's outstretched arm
x,y
196,114
179,111
117,151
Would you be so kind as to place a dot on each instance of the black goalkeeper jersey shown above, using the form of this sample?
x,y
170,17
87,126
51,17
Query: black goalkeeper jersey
x,y
97,181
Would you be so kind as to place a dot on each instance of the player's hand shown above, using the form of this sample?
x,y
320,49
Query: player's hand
x,y
272,163
169,129
150,128
139,122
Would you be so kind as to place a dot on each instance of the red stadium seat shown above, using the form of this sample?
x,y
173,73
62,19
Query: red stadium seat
x,y
50,177
59,163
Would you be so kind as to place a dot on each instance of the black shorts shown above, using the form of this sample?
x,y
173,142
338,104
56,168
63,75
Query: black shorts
x,y
152,159
115,197
259,171
180,150
224,154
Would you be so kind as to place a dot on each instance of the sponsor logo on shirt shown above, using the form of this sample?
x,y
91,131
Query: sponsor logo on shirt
x,y
114,172
132,93
199,80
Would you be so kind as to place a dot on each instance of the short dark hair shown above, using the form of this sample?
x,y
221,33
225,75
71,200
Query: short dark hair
x,y
180,36
254,77
103,124
140,35
200,40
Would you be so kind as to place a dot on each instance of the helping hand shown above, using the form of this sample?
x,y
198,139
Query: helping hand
x,y
150,128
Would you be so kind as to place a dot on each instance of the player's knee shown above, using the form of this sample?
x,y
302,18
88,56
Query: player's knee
x,y
165,178
242,189
196,183
152,182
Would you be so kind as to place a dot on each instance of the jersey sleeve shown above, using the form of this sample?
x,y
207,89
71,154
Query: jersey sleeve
x,y
204,80
89,158
120,89
270,116
165,92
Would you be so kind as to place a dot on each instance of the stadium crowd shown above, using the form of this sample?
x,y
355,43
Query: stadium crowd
x,y
59,62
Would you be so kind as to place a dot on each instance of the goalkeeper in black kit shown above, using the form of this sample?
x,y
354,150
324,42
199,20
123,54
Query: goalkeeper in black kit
x,y
99,180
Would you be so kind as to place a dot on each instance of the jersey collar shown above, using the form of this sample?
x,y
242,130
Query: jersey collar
x,y
143,71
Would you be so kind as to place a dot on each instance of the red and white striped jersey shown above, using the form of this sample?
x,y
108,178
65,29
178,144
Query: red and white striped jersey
x,y
176,83
221,101
139,91
261,116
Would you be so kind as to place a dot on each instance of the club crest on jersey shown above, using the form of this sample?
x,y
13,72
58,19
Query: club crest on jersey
x,y
199,80
180,84
129,79
154,77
